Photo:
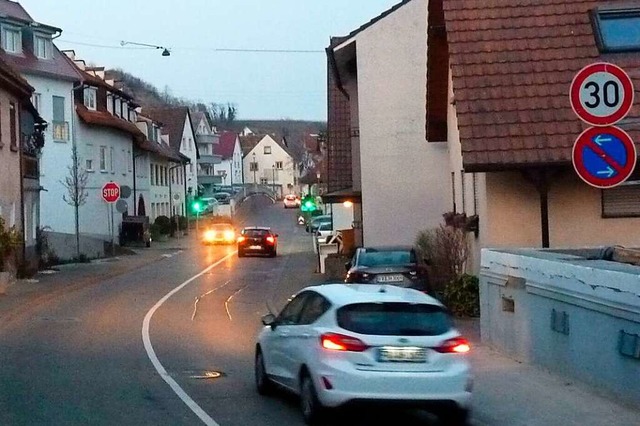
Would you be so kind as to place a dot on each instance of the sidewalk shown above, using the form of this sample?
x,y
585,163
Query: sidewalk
x,y
27,293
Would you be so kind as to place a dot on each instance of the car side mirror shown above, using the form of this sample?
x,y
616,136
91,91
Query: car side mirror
x,y
269,320
347,266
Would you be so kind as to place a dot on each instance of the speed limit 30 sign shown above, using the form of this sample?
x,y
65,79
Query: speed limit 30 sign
x,y
601,94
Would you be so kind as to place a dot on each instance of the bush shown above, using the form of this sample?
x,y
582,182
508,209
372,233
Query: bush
x,y
445,250
183,223
154,230
163,223
10,240
462,296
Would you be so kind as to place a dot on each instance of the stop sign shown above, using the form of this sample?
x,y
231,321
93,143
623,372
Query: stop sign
x,y
111,192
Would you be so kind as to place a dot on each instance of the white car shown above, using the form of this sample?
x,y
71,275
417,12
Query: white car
x,y
334,344
324,232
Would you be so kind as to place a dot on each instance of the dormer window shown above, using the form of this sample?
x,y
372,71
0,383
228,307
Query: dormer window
x,y
118,108
42,47
11,40
90,94
110,104
617,29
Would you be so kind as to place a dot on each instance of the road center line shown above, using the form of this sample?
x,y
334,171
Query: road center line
x,y
195,304
226,303
146,339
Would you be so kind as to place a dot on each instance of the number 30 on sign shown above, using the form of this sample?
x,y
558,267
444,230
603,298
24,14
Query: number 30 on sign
x,y
601,94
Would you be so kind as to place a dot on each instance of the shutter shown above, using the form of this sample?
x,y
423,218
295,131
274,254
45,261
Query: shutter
x,y
58,109
622,201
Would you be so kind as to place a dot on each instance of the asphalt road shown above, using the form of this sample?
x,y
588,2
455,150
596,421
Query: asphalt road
x,y
172,343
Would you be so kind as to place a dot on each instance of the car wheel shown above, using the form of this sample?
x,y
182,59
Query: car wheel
x,y
273,253
263,383
454,416
240,253
309,403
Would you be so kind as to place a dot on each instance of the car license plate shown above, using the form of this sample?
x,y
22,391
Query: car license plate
x,y
402,354
255,247
390,278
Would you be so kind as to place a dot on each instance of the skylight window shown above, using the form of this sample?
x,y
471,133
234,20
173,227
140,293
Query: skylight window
x,y
618,30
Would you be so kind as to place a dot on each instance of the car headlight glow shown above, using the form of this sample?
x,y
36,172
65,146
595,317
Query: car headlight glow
x,y
229,235
209,235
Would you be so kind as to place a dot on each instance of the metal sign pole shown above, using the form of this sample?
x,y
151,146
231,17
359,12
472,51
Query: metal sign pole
x,y
113,244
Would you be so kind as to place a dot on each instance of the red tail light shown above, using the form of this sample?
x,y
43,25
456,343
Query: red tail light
x,y
271,240
457,345
340,342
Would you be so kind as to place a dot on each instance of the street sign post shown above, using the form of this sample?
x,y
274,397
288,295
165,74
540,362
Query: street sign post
x,y
111,192
604,157
601,94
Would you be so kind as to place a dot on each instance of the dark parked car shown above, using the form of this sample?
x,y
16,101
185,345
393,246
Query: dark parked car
x,y
257,240
396,265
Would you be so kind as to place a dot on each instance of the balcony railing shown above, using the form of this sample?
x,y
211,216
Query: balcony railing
x,y
30,167
206,139
209,159
60,131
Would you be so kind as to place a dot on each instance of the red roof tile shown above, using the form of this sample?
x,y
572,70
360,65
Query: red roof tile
x,y
226,145
512,64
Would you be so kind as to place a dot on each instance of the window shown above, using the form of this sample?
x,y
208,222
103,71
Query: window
x,y
314,308
279,165
110,103
89,165
36,100
267,150
103,158
129,161
42,47
264,181
11,40
153,175
60,126
90,98
13,126
111,155
291,312
617,29
253,166
622,201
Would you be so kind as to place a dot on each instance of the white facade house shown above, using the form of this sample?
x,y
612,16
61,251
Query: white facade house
x,y
179,133
268,163
230,152
403,179
206,139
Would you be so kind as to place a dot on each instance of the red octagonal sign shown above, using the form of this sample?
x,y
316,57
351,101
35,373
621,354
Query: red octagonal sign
x,y
601,94
111,192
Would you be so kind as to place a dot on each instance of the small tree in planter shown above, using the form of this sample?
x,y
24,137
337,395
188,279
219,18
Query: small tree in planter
x,y
163,226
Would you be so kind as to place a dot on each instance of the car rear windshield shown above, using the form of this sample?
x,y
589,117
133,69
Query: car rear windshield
x,y
394,319
377,258
255,232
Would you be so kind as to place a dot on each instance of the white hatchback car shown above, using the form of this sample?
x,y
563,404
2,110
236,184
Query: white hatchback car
x,y
336,344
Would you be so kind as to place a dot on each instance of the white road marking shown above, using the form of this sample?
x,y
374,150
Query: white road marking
x,y
146,339
226,304
195,304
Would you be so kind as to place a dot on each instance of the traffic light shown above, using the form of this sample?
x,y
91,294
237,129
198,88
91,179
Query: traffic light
x,y
308,204
197,205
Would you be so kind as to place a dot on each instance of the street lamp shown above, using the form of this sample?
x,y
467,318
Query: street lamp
x,y
165,51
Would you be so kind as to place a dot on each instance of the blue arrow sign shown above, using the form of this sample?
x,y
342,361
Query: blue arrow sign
x,y
605,156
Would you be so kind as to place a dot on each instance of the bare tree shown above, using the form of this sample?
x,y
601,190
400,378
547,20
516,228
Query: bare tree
x,y
76,185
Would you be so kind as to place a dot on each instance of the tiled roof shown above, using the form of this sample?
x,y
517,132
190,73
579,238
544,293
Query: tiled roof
x,y
247,143
512,64
376,19
11,79
27,62
106,119
226,145
173,120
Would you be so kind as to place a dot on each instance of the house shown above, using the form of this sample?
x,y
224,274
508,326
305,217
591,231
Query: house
x,y
313,165
206,139
509,123
27,46
178,127
162,159
21,140
230,153
384,179
110,148
267,162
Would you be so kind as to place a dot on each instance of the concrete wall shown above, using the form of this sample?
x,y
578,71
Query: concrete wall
x,y
64,245
56,155
592,301
405,179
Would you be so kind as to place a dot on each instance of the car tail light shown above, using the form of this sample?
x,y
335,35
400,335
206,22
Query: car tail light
x,y
241,239
271,240
340,342
457,345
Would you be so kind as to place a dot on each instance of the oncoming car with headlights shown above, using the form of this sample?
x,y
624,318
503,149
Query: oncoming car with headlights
x,y
338,344
219,233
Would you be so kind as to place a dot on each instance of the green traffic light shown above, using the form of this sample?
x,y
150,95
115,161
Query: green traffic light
x,y
196,206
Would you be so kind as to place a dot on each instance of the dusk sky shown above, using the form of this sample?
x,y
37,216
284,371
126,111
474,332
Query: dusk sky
x,y
263,85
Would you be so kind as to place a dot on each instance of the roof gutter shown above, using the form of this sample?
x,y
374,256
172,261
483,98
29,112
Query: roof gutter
x,y
334,70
